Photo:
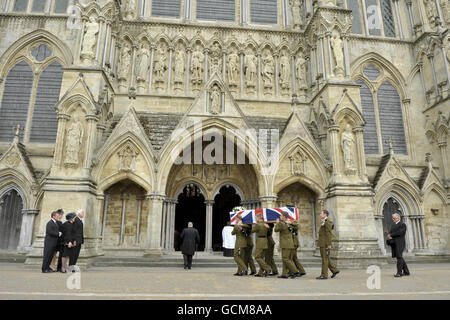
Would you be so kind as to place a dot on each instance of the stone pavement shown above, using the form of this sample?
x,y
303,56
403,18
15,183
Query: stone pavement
x,y
427,281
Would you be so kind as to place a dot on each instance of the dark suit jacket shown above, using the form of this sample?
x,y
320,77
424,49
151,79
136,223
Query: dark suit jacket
x,y
68,232
60,239
189,237
78,230
397,243
51,234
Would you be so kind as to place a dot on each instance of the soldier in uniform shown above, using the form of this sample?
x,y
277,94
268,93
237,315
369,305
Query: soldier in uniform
x,y
248,259
294,230
287,247
269,252
324,243
240,231
261,229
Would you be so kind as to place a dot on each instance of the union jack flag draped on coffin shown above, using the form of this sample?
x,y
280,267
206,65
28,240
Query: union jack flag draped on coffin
x,y
269,214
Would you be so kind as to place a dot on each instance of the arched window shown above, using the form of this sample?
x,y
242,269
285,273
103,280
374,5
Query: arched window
x,y
388,18
382,112
29,97
15,100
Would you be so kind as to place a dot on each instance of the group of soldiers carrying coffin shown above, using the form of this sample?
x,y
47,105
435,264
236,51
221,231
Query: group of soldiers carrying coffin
x,y
289,243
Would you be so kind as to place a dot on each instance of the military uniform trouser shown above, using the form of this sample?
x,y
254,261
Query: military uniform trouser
x,y
297,262
259,257
248,260
270,260
288,264
326,262
239,258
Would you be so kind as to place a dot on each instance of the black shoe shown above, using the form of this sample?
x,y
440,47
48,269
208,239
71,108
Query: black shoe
x,y
283,277
398,275
259,275
239,274
295,275
236,274
406,273
272,274
301,274
189,268
334,274
185,267
253,273
46,271
321,278
245,272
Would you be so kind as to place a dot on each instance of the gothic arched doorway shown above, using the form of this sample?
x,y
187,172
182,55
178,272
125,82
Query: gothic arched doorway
x,y
190,207
11,205
390,207
125,215
224,201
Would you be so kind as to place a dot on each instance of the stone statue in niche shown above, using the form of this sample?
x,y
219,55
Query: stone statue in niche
x,y
251,63
179,65
127,159
445,9
300,72
125,62
430,6
347,145
131,8
160,67
298,163
215,100
338,53
268,69
89,40
74,139
197,66
215,59
297,16
284,71
142,65
233,68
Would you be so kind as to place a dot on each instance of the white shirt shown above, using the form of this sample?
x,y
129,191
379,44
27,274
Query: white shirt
x,y
228,239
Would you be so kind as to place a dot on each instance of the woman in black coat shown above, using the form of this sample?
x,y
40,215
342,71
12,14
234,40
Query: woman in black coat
x,y
68,240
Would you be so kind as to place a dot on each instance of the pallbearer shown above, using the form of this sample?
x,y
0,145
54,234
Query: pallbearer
x,y
240,230
294,230
248,259
261,229
269,252
287,246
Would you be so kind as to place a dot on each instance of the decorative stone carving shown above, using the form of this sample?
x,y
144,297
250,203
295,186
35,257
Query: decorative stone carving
x,y
125,62
127,158
89,41
298,163
348,145
268,72
160,66
12,159
215,59
338,53
197,66
210,175
297,13
445,9
447,46
251,71
233,69
179,65
215,100
74,139
431,9
285,71
142,65
131,8
300,72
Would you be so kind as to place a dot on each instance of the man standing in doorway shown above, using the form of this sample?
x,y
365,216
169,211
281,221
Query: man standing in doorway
x,y
78,233
189,239
324,243
396,239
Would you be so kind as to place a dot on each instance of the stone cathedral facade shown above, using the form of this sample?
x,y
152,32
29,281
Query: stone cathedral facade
x,y
95,96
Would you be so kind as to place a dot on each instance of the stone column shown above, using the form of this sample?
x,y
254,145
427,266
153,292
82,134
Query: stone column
x,y
26,229
101,20
364,7
105,212
241,72
330,54
346,55
154,224
431,58
92,121
422,229
333,132
124,198
411,18
444,154
224,66
110,58
150,81
81,36
275,55
105,45
141,8
169,76
164,225
447,68
205,71
62,123
399,22
322,53
438,7
188,68
422,80
259,73
409,237
116,58
361,155
140,199
133,65
294,75
172,225
208,232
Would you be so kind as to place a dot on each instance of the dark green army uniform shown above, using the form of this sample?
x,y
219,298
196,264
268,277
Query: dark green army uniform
x,y
269,252
248,259
287,248
323,243
261,246
239,247
294,231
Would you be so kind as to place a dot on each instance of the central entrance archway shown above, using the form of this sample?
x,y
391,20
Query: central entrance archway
x,y
224,201
190,207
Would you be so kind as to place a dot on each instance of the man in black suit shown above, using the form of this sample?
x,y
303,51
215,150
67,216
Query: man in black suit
x,y
60,247
189,237
78,234
52,235
396,239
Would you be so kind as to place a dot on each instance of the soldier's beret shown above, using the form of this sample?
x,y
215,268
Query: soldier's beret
x,y
285,214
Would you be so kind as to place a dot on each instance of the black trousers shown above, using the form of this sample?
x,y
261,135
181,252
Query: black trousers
x,y
76,253
49,251
401,266
60,253
187,260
